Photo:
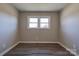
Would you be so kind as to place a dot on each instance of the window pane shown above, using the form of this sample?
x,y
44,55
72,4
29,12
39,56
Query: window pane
x,y
33,20
43,19
44,25
33,25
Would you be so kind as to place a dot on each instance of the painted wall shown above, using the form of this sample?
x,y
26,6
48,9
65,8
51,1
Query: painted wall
x,y
69,27
39,35
8,26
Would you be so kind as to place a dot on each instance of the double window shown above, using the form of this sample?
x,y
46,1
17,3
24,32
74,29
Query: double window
x,y
38,22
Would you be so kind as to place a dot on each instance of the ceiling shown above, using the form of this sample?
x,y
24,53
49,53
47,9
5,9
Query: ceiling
x,y
39,6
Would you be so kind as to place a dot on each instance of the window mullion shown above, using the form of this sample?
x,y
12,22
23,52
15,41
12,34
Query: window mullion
x,y
38,22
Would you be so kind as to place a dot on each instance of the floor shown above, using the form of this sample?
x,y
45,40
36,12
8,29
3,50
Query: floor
x,y
38,49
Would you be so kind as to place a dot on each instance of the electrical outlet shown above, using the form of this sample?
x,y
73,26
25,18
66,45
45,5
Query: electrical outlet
x,y
4,45
74,47
36,38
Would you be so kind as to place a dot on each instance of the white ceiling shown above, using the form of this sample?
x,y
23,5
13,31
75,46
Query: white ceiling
x,y
39,6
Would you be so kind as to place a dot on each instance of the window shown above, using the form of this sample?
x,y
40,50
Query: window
x,y
38,22
44,22
33,22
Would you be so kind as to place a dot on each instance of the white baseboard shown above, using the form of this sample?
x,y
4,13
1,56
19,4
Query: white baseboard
x,y
1,54
37,42
50,42
70,50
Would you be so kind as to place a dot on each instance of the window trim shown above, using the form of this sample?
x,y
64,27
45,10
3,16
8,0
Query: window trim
x,y
49,18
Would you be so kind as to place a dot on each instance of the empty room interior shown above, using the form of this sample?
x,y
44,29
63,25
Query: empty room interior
x,y
39,29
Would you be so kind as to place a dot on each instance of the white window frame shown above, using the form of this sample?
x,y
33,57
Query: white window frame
x,y
49,18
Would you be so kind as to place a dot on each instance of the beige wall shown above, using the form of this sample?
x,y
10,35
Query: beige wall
x,y
69,26
8,26
39,35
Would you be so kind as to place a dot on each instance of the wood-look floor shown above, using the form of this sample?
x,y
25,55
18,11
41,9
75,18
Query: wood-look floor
x,y
38,49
